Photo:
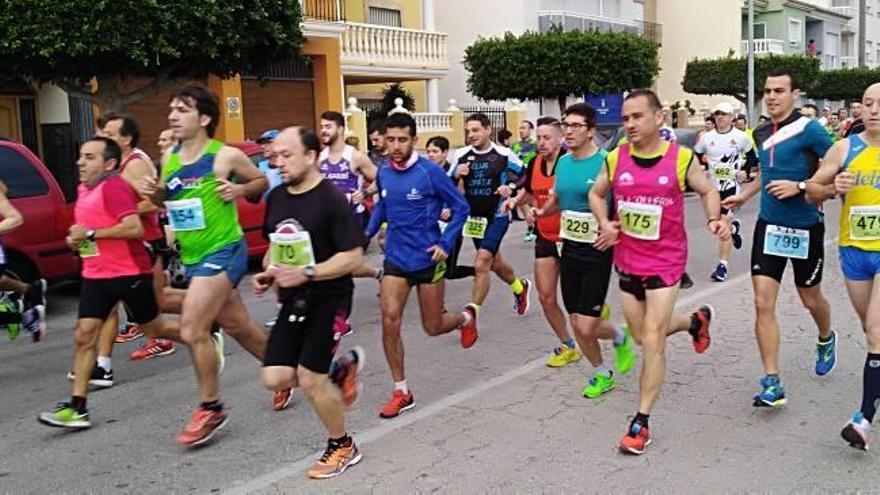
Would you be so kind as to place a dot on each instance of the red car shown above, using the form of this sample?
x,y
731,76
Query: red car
x,y
36,249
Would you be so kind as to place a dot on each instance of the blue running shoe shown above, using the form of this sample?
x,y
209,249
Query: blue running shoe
x,y
772,392
826,355
720,273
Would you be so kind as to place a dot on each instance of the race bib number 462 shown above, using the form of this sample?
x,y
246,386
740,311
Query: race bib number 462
x,y
186,214
640,220
578,227
864,223
723,172
292,250
787,242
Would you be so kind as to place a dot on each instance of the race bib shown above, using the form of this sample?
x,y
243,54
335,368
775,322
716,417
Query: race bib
x,y
186,214
639,220
475,227
864,223
723,172
292,250
88,249
578,227
786,242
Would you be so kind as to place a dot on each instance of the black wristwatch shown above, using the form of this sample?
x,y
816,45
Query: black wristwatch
x,y
309,272
802,186
91,235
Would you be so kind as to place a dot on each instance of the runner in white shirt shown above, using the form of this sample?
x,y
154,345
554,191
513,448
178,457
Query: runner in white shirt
x,y
724,147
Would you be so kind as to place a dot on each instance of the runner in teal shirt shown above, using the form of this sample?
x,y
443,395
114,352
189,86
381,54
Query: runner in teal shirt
x,y
574,179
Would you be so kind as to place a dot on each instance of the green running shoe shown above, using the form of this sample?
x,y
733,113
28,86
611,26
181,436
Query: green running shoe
x,y
598,385
65,416
9,306
624,354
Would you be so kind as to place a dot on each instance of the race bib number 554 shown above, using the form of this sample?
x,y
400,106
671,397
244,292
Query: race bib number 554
x,y
186,214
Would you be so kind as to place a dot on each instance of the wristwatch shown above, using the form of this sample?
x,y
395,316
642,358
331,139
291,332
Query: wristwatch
x,y
91,234
309,272
802,186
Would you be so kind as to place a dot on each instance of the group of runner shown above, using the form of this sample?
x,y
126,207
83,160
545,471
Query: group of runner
x,y
593,212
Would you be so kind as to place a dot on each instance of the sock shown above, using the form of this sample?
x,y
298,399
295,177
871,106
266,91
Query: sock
x,y
827,339
215,328
401,385
343,441
871,386
516,286
723,262
695,325
569,343
603,370
78,403
476,307
641,419
105,362
619,336
214,405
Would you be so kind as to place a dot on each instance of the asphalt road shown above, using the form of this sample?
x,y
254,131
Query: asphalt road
x,y
489,419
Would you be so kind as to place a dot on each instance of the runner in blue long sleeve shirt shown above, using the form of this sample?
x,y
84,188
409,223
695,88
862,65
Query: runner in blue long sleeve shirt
x,y
412,191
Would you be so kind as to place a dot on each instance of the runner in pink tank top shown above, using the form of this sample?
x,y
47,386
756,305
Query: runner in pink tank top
x,y
647,178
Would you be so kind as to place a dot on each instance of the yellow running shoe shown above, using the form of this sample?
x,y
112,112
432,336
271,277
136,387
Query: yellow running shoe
x,y
606,312
563,355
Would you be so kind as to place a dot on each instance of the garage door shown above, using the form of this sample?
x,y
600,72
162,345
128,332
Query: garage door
x,y
275,104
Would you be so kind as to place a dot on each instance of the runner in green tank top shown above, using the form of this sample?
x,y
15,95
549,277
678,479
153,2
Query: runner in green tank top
x,y
200,200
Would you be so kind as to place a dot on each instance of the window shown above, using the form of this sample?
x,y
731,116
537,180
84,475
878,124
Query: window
x,y
832,50
795,32
20,175
760,30
869,52
385,17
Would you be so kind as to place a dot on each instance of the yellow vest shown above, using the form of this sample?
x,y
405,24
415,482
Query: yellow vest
x,y
857,222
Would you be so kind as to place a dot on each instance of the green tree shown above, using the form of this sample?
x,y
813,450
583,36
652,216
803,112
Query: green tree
x,y
134,48
729,75
558,64
845,84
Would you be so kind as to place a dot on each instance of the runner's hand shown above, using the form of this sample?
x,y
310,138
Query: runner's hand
x,y
733,202
719,229
74,246
228,191
531,215
608,234
504,191
288,278
783,189
438,253
445,214
77,233
742,176
147,186
262,282
844,182
463,170
508,205
357,197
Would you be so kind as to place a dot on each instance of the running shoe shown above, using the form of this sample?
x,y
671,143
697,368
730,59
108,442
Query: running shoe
x,y
335,460
625,354
686,281
701,337
720,273
153,348
826,355
521,300
772,392
36,293
598,386
636,439
202,426
101,378
10,306
399,403
469,331
281,399
344,374
65,416
735,235
34,322
217,337
563,355
130,333
856,431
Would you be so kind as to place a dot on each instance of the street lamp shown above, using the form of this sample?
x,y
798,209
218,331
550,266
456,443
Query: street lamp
x,y
750,98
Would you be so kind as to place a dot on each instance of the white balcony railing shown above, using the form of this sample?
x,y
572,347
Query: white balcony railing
x,y
765,46
848,62
434,122
374,45
845,10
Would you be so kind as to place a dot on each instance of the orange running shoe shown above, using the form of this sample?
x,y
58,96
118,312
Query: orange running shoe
x,y
469,331
635,440
701,337
399,402
344,374
154,348
282,398
335,460
202,426
131,332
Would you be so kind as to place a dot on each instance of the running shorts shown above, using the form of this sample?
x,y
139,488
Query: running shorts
x,y
807,272
303,334
98,297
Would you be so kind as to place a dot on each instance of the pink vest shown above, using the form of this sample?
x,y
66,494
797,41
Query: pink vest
x,y
665,257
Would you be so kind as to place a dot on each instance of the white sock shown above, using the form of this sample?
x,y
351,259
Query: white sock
x,y
104,362
401,385
602,370
619,336
723,262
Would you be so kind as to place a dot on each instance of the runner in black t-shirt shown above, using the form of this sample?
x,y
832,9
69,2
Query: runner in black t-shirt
x,y
315,245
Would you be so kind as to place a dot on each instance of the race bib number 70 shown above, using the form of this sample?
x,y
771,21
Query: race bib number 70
x,y
292,250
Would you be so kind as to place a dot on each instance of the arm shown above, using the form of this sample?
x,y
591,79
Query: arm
x,y
129,227
700,183
232,161
364,166
134,173
338,265
377,218
550,207
459,207
608,230
821,185
12,218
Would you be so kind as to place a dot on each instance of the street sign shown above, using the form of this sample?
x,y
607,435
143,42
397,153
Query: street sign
x,y
608,107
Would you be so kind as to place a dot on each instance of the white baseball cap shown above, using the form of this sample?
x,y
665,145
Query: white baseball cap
x,y
723,107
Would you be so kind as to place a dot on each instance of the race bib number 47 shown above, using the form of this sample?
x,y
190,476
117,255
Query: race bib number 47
x,y
475,227
292,250
786,242
578,227
864,223
186,214
639,220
